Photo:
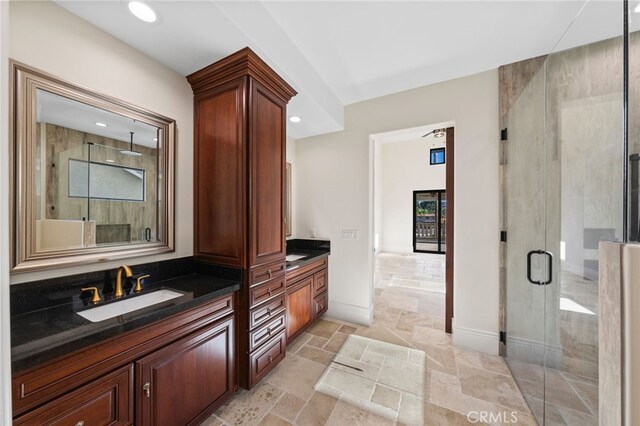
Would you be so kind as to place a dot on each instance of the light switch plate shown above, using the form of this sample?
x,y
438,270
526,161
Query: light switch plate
x,y
349,234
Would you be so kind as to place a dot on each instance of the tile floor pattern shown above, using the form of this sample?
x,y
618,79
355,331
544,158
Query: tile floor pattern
x,y
456,381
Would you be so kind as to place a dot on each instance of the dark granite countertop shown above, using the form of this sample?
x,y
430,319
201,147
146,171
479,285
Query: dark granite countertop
x,y
311,249
41,335
311,256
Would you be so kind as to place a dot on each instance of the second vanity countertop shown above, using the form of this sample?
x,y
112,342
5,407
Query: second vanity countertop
x,y
306,251
42,335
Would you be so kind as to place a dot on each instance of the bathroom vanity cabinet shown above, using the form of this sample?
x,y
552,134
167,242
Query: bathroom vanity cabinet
x,y
307,296
173,372
239,175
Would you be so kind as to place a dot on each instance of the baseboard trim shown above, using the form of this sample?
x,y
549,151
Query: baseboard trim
x,y
477,340
347,312
397,249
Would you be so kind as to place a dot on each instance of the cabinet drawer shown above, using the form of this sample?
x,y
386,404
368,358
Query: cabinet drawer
x,y
266,272
264,333
267,311
106,401
295,274
320,282
267,357
266,291
320,305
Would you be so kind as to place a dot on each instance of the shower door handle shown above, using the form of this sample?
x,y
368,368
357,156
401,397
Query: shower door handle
x,y
550,259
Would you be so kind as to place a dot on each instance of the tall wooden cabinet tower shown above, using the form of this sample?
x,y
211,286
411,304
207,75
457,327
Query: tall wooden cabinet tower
x,y
239,172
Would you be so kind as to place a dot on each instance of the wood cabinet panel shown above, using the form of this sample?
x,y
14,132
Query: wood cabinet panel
x,y
265,312
267,291
106,401
299,307
320,283
267,159
311,268
266,272
184,382
320,305
264,333
264,359
220,174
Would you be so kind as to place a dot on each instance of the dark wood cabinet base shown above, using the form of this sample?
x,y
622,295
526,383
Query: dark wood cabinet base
x,y
178,371
307,296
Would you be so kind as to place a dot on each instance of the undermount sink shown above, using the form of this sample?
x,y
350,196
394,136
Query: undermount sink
x,y
122,307
294,257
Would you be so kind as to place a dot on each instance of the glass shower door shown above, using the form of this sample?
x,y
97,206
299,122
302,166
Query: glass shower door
x,y
525,258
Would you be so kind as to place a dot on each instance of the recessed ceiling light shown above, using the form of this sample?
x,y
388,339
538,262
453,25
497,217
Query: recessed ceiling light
x,y
295,119
142,11
100,124
110,161
155,139
637,8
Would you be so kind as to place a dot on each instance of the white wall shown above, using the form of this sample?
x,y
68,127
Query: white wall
x,y
334,193
405,168
46,36
5,330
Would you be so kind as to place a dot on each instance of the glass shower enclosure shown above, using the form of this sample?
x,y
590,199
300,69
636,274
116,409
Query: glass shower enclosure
x,y
563,193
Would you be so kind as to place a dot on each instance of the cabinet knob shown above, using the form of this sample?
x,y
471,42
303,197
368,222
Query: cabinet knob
x,y
80,423
147,389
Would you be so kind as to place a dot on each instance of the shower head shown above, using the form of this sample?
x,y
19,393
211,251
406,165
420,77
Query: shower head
x,y
131,152
437,133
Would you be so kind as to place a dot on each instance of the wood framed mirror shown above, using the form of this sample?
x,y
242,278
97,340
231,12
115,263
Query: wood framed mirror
x,y
93,176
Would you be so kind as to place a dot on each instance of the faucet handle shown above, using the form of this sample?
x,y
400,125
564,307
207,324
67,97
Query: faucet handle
x,y
96,294
138,287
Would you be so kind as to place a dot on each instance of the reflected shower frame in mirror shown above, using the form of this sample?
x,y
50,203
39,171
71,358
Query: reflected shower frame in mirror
x,y
25,82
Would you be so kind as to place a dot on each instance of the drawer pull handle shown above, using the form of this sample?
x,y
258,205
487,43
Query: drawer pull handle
x,y
80,423
269,291
270,359
269,311
269,272
147,389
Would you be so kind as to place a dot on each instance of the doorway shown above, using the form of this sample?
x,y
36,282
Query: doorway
x,y
393,221
429,221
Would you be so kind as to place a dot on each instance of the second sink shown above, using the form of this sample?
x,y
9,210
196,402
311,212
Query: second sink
x,y
122,307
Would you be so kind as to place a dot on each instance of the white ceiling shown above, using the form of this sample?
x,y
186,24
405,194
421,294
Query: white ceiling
x,y
339,52
75,115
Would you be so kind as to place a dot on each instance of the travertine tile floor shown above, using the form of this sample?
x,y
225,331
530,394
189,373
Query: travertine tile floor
x,y
457,382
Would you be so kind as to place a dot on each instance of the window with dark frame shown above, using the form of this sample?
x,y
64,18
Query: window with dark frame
x,y
436,156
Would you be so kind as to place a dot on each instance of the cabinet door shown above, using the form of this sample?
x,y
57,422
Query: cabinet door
x,y
219,177
186,381
104,402
299,307
267,171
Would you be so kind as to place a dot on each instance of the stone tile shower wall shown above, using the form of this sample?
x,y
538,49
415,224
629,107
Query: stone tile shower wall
x,y
64,143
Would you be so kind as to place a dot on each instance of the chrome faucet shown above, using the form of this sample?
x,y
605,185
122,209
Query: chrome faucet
x,y
119,292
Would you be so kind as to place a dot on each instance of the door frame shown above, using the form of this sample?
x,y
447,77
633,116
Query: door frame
x,y
448,256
